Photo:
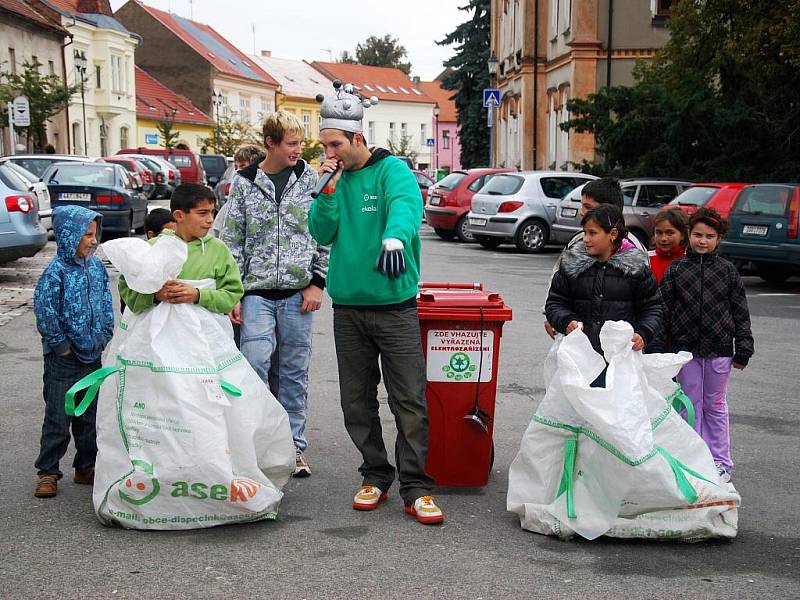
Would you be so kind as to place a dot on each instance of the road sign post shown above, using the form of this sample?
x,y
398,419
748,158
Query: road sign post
x,y
491,100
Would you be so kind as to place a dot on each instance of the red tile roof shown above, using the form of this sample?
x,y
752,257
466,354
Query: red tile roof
x,y
447,107
384,82
69,6
27,12
209,44
154,99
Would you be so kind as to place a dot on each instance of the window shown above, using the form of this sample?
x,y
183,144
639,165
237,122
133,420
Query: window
x,y
423,135
476,185
12,60
77,138
225,108
764,200
504,185
566,14
628,194
126,87
446,139
266,106
403,130
117,76
307,124
663,7
449,182
553,18
695,196
371,130
51,67
98,78
35,61
103,139
557,187
123,137
656,195
244,108
391,131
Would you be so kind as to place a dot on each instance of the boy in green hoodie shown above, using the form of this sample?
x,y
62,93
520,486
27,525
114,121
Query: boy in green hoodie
x,y
192,205
369,214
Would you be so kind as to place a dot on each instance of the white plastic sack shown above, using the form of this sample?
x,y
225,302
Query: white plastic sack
x,y
616,461
188,435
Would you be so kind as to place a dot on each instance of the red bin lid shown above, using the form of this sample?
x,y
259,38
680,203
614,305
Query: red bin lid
x,y
458,298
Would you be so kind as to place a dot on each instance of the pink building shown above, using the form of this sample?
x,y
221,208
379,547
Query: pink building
x,y
447,150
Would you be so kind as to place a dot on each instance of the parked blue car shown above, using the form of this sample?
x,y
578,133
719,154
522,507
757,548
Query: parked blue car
x,y
103,187
21,232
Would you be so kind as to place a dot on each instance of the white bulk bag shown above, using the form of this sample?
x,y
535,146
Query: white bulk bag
x,y
619,460
188,435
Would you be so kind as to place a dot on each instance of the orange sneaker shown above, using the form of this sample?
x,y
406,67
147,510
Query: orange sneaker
x,y
426,511
368,498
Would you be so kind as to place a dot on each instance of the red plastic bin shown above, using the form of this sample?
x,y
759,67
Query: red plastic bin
x,y
461,326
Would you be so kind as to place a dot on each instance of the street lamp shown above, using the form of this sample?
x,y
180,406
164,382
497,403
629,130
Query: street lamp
x,y
80,65
436,138
492,65
216,100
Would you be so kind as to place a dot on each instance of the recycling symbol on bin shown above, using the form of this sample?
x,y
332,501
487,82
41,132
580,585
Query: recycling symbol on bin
x,y
460,367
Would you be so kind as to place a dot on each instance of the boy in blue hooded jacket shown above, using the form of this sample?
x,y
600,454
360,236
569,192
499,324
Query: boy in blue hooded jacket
x,y
75,318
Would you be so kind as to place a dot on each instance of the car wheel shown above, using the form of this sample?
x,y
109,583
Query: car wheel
x,y
445,234
488,242
532,236
461,230
773,273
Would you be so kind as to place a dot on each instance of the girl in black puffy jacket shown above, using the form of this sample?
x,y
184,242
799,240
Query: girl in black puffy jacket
x,y
598,282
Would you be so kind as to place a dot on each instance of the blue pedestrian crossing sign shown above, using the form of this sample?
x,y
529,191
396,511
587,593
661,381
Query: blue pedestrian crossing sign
x,y
491,97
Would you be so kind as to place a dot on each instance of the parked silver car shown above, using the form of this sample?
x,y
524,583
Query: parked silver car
x,y
38,163
21,232
38,187
520,208
643,198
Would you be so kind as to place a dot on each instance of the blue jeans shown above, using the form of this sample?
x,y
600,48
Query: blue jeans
x,y
60,373
270,323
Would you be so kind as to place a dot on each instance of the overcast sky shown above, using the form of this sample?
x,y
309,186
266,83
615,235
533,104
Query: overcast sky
x,y
307,29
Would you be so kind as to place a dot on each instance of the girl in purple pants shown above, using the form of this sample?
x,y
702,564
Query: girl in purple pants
x,y
706,314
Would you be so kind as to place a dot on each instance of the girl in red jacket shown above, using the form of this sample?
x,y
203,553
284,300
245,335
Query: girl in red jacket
x,y
671,236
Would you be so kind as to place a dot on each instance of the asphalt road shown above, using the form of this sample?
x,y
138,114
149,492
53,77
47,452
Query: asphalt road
x,y
320,548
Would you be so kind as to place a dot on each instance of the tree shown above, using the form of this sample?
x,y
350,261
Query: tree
x,y
347,58
47,96
404,147
232,134
468,75
165,129
312,151
380,52
719,101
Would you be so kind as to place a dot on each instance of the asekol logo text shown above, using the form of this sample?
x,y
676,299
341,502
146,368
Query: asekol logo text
x,y
240,490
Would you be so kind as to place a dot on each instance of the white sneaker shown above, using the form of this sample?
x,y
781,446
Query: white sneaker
x,y
301,466
368,498
723,474
426,511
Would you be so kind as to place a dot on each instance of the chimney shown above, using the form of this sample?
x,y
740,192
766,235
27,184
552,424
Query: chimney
x,y
415,79
97,7
266,53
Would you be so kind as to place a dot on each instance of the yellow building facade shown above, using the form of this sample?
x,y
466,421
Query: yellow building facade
x,y
193,136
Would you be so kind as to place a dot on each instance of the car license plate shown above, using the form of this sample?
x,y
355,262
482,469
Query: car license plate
x,y
75,197
755,230
569,212
477,221
435,201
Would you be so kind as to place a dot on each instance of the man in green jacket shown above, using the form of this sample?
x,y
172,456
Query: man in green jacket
x,y
369,214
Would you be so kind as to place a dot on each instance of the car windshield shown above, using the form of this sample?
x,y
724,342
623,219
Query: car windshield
x,y
770,200
503,185
79,174
180,160
449,182
695,196
37,166
12,179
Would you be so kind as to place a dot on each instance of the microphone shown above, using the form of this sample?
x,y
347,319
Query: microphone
x,y
323,181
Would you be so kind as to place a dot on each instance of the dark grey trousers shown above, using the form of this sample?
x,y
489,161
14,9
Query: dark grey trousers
x,y
362,338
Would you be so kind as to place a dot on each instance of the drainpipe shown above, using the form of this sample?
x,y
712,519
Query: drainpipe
x,y
609,45
535,83
64,73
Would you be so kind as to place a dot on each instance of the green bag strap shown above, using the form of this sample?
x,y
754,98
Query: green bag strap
x,y
678,469
567,475
680,400
230,389
91,383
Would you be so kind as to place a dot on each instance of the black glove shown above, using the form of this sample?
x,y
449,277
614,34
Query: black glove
x,y
391,262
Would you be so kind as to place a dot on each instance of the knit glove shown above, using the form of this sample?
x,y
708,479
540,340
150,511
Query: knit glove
x,y
391,262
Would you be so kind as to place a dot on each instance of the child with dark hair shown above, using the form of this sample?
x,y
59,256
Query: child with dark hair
x,y
192,207
671,236
156,220
599,281
599,192
706,314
